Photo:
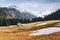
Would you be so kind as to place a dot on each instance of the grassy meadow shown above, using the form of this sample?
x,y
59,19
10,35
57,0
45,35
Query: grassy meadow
x,y
22,31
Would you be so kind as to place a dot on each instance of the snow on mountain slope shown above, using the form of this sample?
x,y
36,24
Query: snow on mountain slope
x,y
35,13
14,11
45,31
31,13
20,13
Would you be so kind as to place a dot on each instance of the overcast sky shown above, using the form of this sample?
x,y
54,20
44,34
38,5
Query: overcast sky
x,y
41,6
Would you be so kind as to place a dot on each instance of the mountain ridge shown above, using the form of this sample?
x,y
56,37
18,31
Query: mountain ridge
x,y
13,12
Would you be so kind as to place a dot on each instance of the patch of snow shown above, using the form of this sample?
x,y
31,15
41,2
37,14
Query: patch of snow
x,y
2,27
41,24
8,26
45,31
57,24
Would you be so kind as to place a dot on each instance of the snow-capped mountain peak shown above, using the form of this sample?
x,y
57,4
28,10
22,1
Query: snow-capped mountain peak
x,y
42,13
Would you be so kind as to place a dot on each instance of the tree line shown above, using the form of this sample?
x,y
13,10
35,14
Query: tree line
x,y
14,21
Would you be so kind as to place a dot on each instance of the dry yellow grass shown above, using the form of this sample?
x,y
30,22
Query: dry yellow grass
x,y
15,33
25,36
29,26
32,26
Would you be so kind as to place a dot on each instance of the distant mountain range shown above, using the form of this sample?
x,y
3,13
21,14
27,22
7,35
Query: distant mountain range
x,y
11,12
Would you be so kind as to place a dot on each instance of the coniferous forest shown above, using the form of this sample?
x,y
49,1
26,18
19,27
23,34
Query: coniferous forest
x,y
14,21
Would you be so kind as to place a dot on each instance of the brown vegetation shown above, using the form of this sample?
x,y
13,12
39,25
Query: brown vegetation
x,y
15,33
25,36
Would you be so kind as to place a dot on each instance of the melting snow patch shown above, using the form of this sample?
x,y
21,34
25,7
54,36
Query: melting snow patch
x,y
2,27
45,31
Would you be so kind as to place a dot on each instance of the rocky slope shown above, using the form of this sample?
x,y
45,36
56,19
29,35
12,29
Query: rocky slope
x,y
10,12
